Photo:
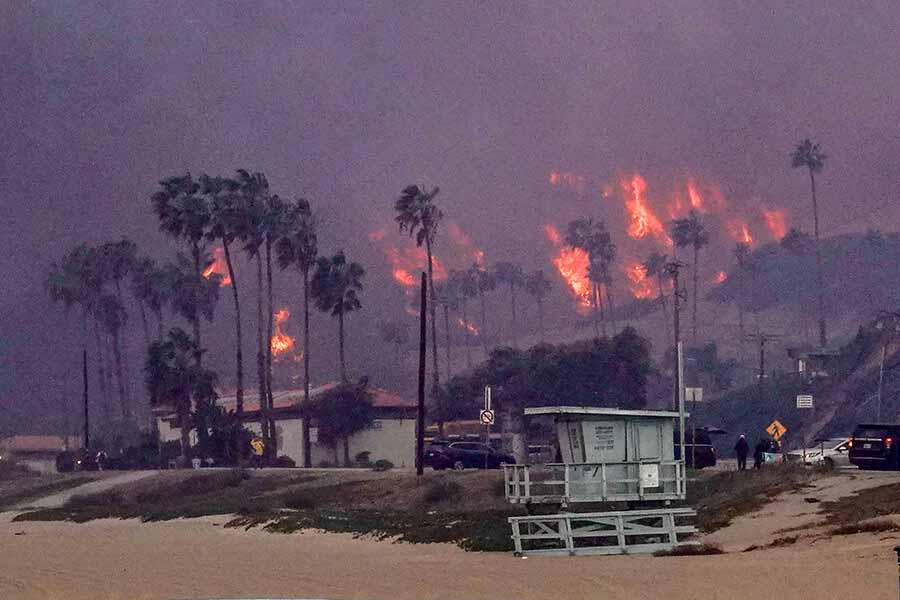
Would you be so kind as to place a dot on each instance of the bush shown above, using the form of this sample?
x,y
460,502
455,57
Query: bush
x,y
298,500
691,550
236,476
285,462
441,491
876,526
325,464
363,459
382,464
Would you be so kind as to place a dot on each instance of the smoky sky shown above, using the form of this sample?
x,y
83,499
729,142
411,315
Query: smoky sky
x,y
346,103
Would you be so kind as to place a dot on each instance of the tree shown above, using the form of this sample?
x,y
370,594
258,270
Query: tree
x,y
594,239
146,293
111,314
175,379
690,231
115,261
419,215
343,411
655,266
512,275
484,282
395,333
538,286
299,247
808,155
466,286
335,286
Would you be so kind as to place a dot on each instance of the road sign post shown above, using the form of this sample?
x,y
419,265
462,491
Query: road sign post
x,y
487,419
694,395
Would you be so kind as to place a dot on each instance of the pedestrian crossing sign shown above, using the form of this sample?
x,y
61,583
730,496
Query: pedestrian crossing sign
x,y
776,430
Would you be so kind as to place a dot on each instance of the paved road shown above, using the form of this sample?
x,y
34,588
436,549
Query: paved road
x,y
92,487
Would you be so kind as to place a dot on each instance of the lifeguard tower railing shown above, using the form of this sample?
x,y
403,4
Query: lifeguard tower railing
x,y
569,483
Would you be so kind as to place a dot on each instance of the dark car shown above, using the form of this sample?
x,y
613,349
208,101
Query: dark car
x,y
874,446
466,455
699,447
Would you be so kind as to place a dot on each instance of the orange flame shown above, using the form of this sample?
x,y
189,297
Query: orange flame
x,y
721,276
640,286
572,265
461,239
281,342
643,221
218,266
739,231
776,222
696,199
576,182
471,328
406,261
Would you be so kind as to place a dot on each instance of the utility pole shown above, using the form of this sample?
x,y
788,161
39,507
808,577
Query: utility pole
x,y
84,374
672,269
763,339
420,416
889,325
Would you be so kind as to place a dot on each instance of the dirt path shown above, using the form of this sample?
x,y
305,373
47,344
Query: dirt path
x,y
91,487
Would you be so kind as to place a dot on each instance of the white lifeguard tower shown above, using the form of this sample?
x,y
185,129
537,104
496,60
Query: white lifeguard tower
x,y
608,455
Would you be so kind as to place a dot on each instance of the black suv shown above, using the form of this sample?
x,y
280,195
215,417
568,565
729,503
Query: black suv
x,y
466,455
875,446
700,447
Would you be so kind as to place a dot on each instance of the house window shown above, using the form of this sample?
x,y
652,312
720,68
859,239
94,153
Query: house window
x,y
376,424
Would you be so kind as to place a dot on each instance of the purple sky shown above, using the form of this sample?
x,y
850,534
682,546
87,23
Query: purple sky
x,y
345,106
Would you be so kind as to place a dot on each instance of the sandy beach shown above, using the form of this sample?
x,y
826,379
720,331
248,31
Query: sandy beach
x,y
119,560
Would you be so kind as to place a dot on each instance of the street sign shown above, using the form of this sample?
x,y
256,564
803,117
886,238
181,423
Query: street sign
x,y
693,394
649,475
487,417
776,430
804,401
487,397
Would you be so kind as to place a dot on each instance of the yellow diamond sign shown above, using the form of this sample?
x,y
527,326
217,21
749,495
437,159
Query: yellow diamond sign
x,y
776,429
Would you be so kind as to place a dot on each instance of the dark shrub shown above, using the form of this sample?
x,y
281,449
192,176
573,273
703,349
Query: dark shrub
x,y
441,491
285,462
382,464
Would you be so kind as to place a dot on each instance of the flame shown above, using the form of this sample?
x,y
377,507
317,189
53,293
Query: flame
x,y
721,276
640,286
465,243
281,342
776,221
643,221
377,235
218,266
696,199
572,180
408,260
739,231
572,265
471,328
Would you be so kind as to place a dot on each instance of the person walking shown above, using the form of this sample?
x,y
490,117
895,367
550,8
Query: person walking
x,y
758,451
741,449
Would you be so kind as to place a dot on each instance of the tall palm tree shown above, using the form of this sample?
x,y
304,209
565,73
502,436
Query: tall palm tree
x,y
419,215
538,286
594,239
466,287
484,282
116,261
225,212
655,266
512,275
185,214
741,252
595,276
173,379
111,314
395,333
448,298
142,290
690,231
276,225
809,155
299,247
335,286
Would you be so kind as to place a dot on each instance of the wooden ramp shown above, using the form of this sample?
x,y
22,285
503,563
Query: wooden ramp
x,y
620,532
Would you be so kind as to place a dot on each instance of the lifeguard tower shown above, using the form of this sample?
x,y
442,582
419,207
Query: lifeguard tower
x,y
608,455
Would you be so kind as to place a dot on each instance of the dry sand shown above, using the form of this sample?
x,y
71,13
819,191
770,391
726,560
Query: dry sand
x,y
112,560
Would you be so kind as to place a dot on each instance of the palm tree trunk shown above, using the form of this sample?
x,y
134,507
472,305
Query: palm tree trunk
x,y
184,418
101,371
341,346
272,446
611,307
307,444
483,334
823,335
159,325
662,301
467,333
447,338
432,309
239,353
515,333
120,347
696,287
540,307
120,376
596,311
261,352
144,323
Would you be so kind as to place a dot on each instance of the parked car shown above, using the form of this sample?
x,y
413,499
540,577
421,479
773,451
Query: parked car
x,y
831,451
466,455
875,446
432,449
699,447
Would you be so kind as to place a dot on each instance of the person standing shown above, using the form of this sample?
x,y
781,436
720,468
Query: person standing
x,y
741,449
758,452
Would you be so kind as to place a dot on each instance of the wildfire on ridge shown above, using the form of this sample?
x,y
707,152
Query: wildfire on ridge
x,y
643,221
696,198
468,326
640,286
465,242
776,221
281,342
721,276
218,266
572,265
740,232
574,181
408,260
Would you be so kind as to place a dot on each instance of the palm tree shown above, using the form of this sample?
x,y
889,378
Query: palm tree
x,y
448,298
741,252
464,284
185,214
225,212
538,286
419,215
595,276
173,379
690,231
655,266
142,290
116,261
335,286
594,239
275,225
809,155
111,314
512,275
395,333
484,282
299,247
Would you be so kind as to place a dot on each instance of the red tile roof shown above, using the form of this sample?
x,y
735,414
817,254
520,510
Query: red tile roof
x,y
38,443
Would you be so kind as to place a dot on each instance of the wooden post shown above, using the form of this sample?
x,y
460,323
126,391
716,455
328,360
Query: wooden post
x,y
420,416
84,374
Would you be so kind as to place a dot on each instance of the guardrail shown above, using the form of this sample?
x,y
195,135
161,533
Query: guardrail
x,y
565,483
